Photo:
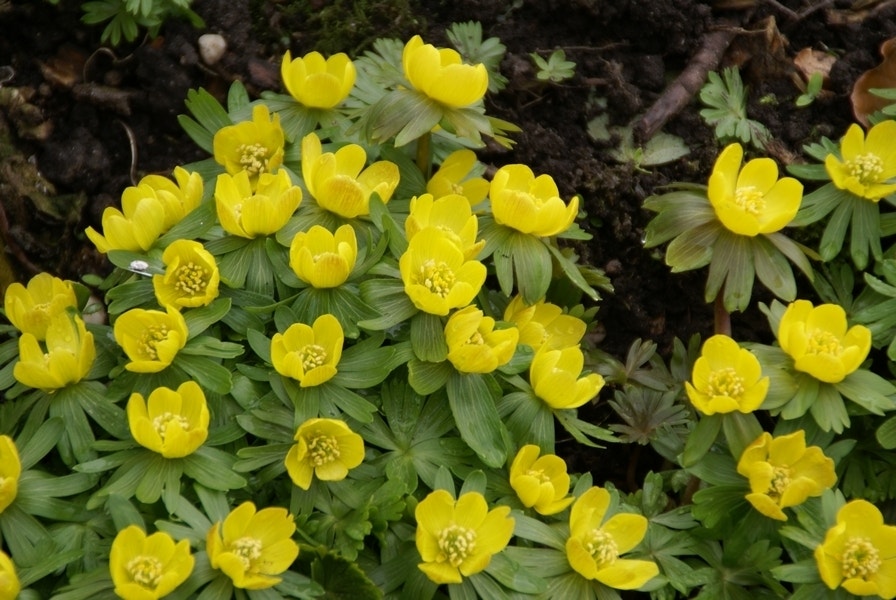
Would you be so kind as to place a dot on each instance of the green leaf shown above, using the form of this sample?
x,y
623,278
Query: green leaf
x,y
404,114
693,249
678,212
515,577
199,319
206,372
473,406
213,468
428,337
772,269
210,115
529,420
701,439
426,377
571,270
335,399
869,390
538,531
260,344
390,300
818,204
740,431
886,434
835,230
40,443
531,264
342,302
367,364
865,232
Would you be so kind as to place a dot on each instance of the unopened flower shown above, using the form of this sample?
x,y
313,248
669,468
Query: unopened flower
x,y
150,338
544,324
453,177
173,423
556,378
29,308
323,259
819,342
783,472
317,82
474,345
437,277
9,580
191,276
253,547
10,471
752,200
596,544
726,378
530,204
859,552
868,164
148,567
450,214
309,354
441,74
251,209
66,357
340,183
540,482
178,197
457,539
254,146
326,449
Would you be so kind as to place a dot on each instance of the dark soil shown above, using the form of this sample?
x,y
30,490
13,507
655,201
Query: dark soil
x,y
78,122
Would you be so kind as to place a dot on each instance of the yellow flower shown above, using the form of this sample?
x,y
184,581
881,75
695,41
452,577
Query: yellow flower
x,y
323,259
9,581
752,200
540,481
336,180
173,423
474,345
326,448
453,177
726,378
783,472
818,340
67,359
10,470
441,74
254,146
868,165
555,376
148,567
317,82
178,197
457,539
250,214
859,552
150,338
251,547
450,214
191,276
595,543
437,277
544,324
530,204
309,354
29,308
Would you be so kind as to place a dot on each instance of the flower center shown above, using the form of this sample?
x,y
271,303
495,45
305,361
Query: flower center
x,y
456,544
602,547
323,449
253,158
860,558
823,342
248,549
312,356
191,279
145,571
867,168
780,481
160,423
437,277
749,199
151,338
726,382
476,339
538,474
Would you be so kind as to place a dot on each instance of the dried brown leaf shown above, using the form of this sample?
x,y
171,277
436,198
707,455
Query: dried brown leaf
x,y
864,103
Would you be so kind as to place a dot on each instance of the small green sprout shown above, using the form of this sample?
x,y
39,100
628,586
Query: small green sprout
x,y
555,69
726,99
813,87
126,17
467,38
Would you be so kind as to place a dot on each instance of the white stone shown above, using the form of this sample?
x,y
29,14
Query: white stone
x,y
211,47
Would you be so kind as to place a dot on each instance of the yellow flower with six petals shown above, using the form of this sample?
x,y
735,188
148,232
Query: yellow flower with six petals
x,y
556,378
540,482
530,204
29,308
326,449
67,358
868,164
173,423
474,345
9,580
544,324
10,471
449,214
318,82
441,74
250,211
254,146
309,354
148,567
323,259
453,177
191,276
178,197
150,338
726,378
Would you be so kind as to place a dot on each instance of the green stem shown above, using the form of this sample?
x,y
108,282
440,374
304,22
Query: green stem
x,y
423,154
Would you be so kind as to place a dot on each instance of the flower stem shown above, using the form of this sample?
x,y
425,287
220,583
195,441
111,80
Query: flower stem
x,y
722,318
423,154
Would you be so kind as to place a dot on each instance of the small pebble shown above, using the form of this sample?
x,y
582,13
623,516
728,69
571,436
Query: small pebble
x,y
211,47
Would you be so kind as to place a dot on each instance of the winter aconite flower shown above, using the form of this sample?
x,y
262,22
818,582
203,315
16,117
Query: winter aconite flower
x,y
66,357
544,324
752,200
29,308
819,342
309,354
449,214
191,276
254,146
340,183
457,539
253,547
9,580
437,277
148,567
10,471
326,449
726,378
317,82
783,472
556,378
530,204
474,345
251,210
323,259
868,164
859,552
150,338
540,482
596,543
178,197
453,177
441,74
173,423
